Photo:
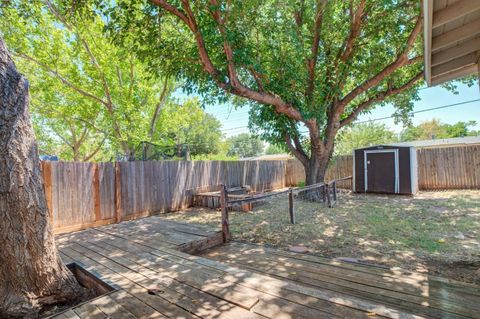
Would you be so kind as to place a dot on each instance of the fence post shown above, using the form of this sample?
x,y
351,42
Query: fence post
x,y
323,191
290,206
327,193
334,190
118,193
47,179
96,192
224,208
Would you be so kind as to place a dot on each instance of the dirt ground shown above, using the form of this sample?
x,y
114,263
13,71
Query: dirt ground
x,y
434,232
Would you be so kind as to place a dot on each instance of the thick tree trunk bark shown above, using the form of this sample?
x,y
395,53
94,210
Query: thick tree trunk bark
x,y
316,169
32,274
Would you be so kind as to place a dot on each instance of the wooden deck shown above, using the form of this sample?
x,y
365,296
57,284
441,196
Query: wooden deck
x,y
412,293
146,261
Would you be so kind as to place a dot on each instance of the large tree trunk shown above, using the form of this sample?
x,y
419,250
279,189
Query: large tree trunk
x,y
32,274
315,171
316,168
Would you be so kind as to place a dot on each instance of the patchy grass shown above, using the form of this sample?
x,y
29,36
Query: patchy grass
x,y
438,232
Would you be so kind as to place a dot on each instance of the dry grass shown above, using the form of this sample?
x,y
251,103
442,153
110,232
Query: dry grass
x,y
438,232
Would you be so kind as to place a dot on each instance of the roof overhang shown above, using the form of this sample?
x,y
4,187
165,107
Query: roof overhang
x,y
451,39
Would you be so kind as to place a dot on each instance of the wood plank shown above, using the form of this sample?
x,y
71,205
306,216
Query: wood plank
x,y
135,306
461,33
47,182
419,287
118,193
166,290
69,314
111,308
394,273
455,64
126,279
159,268
89,310
240,278
372,290
284,290
454,11
456,51
312,302
77,227
96,193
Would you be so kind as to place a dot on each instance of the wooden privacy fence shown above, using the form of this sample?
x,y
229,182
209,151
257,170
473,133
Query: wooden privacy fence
x,y
449,167
81,195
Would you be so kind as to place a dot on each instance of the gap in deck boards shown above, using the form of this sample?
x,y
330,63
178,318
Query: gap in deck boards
x,y
95,286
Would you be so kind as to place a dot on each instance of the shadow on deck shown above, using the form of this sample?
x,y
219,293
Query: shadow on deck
x,y
147,260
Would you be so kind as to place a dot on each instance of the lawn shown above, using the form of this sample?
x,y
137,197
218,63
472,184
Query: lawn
x,y
435,232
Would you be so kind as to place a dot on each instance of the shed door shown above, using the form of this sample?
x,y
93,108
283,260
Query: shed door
x,y
381,171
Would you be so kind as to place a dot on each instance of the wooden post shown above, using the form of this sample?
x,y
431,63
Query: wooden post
x,y
334,185
47,180
118,193
327,193
290,206
224,208
96,193
324,190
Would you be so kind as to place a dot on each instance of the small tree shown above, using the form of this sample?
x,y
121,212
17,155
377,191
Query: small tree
x,y
436,129
186,124
32,274
245,145
363,135
274,149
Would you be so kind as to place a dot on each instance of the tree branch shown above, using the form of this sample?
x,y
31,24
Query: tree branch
x,y
234,86
83,136
257,78
95,151
62,138
86,46
60,77
296,149
401,60
355,27
312,61
378,98
163,98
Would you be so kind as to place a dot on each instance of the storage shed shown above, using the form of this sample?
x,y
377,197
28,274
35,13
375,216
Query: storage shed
x,y
387,169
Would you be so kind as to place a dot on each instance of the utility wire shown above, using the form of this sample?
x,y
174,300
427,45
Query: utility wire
x,y
383,118
420,111
366,121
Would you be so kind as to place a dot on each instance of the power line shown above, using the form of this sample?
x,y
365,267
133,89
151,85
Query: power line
x,y
420,111
414,112
383,118
361,122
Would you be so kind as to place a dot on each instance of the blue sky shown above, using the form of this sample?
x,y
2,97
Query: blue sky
x,y
235,121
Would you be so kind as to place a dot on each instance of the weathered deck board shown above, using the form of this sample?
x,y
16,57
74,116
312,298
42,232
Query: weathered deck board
x,y
309,270
145,259
420,294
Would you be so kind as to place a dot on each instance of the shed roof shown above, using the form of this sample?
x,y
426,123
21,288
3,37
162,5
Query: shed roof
x,y
468,140
451,39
